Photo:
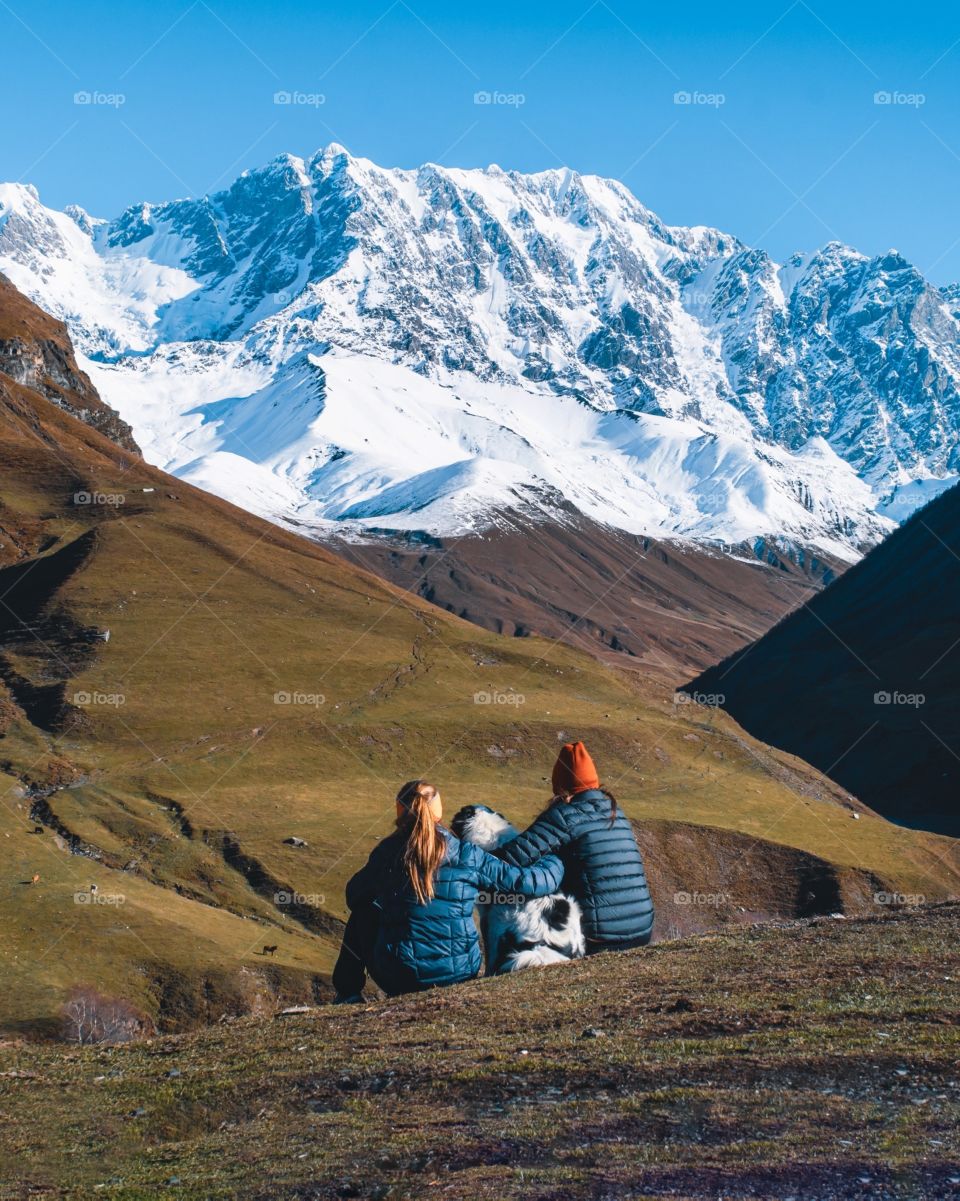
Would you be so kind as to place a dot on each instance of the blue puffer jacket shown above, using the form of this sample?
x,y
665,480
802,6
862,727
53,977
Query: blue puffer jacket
x,y
603,866
420,946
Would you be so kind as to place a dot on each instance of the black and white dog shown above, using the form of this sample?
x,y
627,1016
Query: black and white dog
x,y
525,933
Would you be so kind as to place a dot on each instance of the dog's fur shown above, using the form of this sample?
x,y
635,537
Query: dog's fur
x,y
529,934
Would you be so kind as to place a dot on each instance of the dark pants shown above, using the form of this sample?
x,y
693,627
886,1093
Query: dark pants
x,y
356,951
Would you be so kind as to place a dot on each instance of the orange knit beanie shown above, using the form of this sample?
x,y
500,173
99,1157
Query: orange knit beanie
x,y
574,770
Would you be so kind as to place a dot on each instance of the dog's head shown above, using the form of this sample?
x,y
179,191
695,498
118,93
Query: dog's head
x,y
483,827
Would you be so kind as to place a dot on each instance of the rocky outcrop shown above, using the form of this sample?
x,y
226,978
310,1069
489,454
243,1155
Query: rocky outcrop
x,y
35,352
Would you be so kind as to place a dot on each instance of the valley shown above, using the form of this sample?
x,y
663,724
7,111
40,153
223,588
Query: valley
x,y
187,687
663,608
500,465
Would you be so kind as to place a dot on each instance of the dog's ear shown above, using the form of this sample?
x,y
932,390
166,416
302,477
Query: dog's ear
x,y
460,819
557,914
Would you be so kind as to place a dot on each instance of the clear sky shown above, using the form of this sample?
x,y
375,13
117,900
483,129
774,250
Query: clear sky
x,y
783,142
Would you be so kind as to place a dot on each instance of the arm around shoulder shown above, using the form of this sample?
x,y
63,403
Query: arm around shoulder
x,y
538,880
547,835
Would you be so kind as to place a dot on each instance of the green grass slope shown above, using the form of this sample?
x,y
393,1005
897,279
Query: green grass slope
x,y
816,1061
254,688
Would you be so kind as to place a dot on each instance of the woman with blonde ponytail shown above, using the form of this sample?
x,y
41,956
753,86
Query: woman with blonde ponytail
x,y
418,812
411,923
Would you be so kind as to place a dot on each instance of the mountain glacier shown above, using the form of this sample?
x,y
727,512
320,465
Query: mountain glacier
x,y
345,347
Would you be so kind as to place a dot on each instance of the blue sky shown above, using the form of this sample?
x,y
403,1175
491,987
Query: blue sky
x,y
783,142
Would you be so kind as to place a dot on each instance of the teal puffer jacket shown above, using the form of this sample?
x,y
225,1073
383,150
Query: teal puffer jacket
x,y
603,866
420,946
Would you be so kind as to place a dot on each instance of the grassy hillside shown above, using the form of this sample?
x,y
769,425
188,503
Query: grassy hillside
x,y
672,609
817,1061
183,687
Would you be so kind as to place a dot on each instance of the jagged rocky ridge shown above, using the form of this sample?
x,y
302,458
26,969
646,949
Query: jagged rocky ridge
x,y
338,345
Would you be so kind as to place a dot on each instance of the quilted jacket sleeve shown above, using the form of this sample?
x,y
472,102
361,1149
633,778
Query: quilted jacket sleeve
x,y
540,880
547,835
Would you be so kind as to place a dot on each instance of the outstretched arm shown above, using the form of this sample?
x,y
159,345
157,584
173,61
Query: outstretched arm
x,y
547,834
540,880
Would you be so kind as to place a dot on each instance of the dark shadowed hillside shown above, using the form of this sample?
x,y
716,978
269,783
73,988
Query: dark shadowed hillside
x,y
864,681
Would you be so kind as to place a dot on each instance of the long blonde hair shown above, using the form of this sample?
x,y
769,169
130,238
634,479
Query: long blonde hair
x,y
425,847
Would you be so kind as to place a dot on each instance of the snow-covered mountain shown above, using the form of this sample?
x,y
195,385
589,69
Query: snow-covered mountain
x,y
339,345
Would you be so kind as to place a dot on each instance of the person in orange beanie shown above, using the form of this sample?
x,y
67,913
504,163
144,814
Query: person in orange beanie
x,y
603,867
574,771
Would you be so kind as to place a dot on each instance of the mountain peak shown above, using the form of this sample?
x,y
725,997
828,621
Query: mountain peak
x,y
835,249
333,152
355,346
286,160
893,260
18,196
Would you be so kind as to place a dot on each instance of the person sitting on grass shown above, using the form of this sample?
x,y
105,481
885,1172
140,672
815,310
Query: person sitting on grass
x,y
411,907
603,867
